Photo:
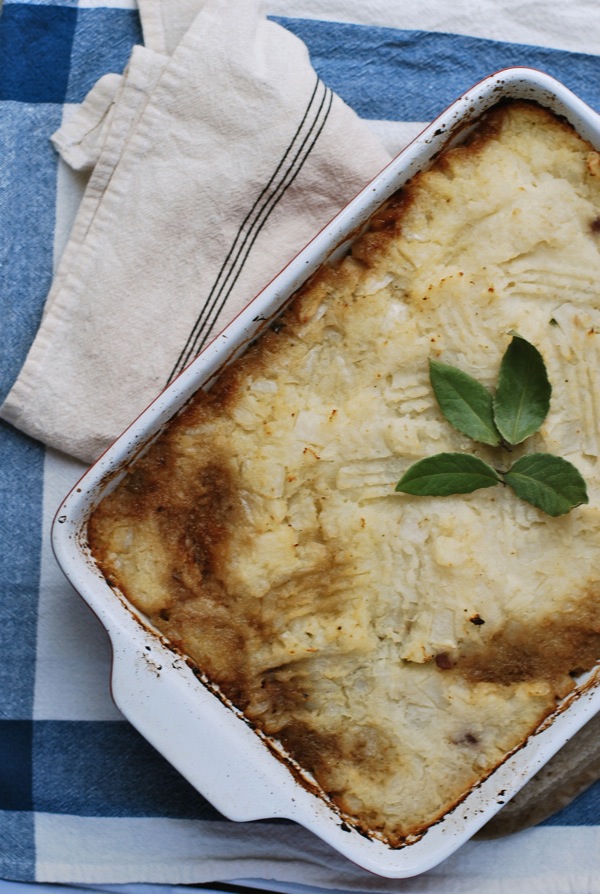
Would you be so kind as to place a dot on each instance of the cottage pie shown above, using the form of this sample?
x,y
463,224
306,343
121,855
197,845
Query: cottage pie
x,y
397,647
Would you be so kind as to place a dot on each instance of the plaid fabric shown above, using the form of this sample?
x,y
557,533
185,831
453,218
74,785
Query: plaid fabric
x,y
83,798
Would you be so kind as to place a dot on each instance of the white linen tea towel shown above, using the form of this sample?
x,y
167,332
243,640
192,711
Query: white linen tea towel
x,y
211,169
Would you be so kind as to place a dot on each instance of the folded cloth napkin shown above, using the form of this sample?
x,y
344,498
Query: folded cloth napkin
x,y
211,168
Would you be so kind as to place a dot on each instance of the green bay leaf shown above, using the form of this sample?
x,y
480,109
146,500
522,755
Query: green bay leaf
x,y
549,482
522,398
465,402
447,473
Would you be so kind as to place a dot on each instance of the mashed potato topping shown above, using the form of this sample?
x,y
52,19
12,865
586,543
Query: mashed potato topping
x,y
398,647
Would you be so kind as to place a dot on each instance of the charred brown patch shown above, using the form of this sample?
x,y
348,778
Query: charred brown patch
x,y
372,748
194,514
286,692
203,527
218,647
384,226
467,739
389,215
550,649
144,479
368,748
315,751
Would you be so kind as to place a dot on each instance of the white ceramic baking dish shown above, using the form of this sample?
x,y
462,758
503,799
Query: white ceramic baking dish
x,y
205,739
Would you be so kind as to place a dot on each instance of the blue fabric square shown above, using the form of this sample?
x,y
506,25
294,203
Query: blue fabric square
x,y
17,845
21,484
35,52
15,765
41,2
90,768
102,43
396,75
27,217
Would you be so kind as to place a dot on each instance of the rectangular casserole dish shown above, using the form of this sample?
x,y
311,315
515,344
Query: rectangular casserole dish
x,y
207,740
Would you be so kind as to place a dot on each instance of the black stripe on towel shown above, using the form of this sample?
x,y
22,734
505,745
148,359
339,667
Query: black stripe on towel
x,y
288,168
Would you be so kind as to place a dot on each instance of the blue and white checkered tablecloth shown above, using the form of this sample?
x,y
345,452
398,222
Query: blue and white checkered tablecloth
x,y
83,798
